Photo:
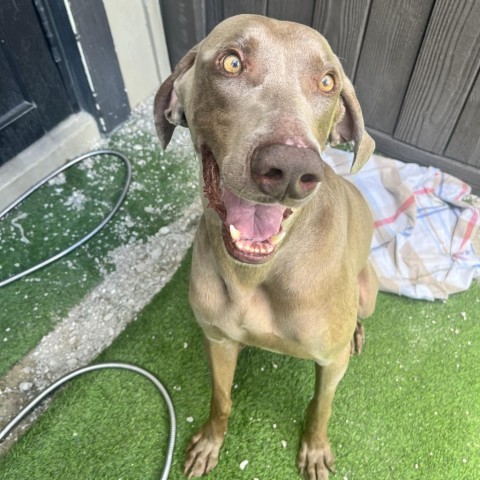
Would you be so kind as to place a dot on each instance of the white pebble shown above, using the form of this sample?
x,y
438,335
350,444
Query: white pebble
x,y
25,386
284,443
189,419
243,464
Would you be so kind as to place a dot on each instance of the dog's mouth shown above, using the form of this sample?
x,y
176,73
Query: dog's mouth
x,y
251,231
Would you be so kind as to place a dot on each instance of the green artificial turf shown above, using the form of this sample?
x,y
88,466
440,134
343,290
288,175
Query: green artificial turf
x,y
63,211
408,407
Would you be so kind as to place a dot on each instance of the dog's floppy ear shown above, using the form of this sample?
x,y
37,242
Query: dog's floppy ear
x,y
167,109
349,127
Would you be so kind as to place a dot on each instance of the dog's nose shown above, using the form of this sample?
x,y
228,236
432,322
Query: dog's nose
x,y
286,171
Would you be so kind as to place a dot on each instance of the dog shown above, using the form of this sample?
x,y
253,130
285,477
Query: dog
x,y
280,258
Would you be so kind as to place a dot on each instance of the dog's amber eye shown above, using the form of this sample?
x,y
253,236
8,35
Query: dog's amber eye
x,y
232,64
327,83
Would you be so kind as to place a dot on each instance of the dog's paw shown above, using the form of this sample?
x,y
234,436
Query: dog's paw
x,y
358,340
202,453
315,459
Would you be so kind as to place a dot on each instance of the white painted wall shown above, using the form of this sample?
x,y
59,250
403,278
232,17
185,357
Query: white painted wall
x,y
139,39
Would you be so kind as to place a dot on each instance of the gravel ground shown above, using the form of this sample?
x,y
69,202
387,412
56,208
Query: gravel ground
x,y
141,271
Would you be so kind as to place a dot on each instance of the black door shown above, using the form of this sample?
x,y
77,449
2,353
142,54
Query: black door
x,y
33,98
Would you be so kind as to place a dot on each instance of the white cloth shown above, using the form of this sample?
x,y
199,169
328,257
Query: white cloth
x,y
422,243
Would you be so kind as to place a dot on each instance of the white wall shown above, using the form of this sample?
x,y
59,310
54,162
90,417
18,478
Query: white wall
x,y
139,39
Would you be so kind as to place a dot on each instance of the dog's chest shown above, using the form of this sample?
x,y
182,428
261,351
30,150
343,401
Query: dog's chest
x,y
264,324
306,313
288,326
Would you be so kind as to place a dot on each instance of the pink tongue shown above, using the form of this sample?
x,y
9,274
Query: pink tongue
x,y
254,220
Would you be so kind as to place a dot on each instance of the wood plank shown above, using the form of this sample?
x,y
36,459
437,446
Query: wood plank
x,y
392,41
236,7
185,26
408,153
342,23
299,11
214,14
465,142
444,75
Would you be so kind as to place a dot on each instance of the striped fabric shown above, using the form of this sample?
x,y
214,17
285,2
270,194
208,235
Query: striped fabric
x,y
422,245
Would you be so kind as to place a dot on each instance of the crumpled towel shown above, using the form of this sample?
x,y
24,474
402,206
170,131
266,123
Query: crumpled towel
x,y
422,244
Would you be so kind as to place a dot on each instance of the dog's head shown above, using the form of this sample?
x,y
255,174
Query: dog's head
x,y
261,98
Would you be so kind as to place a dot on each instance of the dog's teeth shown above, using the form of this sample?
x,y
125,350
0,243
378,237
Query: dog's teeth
x,y
276,239
259,248
235,234
245,246
267,248
242,245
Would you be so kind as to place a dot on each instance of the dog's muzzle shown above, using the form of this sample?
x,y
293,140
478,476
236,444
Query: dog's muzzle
x,y
251,231
286,172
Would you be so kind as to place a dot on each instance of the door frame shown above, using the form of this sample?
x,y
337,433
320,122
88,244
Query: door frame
x,y
89,73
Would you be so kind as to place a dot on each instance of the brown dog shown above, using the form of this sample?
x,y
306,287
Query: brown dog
x,y
280,260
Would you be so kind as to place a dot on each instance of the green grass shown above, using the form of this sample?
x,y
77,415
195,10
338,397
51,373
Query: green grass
x,y
408,408
162,184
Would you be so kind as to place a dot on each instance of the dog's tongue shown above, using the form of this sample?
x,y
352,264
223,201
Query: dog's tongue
x,y
255,221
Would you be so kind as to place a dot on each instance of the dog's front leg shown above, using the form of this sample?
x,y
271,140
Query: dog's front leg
x,y
204,447
315,458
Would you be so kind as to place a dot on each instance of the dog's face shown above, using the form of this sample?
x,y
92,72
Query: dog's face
x,y
261,98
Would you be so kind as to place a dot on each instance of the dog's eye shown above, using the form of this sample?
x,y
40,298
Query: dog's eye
x,y
232,64
327,83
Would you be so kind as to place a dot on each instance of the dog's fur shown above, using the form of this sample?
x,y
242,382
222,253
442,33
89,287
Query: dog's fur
x,y
259,134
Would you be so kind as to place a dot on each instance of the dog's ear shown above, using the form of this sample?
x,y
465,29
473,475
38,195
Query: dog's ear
x,y
168,111
349,126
